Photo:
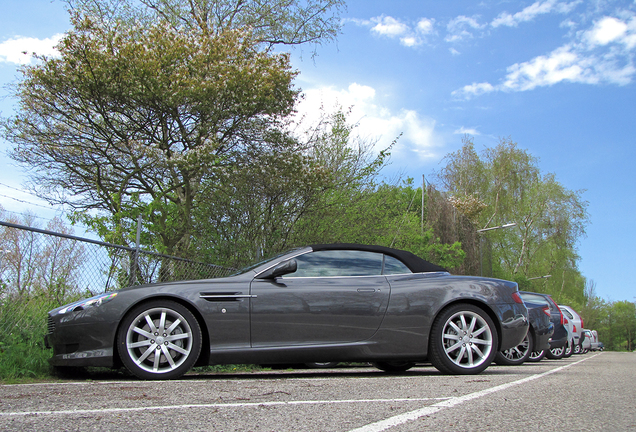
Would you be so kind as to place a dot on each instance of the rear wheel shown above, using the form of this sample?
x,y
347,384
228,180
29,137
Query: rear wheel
x,y
463,340
516,355
160,339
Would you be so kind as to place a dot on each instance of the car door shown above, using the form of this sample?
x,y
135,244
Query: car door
x,y
333,297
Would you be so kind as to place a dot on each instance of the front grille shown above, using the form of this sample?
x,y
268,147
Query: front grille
x,y
50,326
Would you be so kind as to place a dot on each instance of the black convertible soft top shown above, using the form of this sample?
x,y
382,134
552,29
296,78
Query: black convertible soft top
x,y
412,261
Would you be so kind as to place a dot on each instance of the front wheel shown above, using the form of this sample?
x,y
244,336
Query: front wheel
x,y
536,356
160,339
555,353
463,340
569,349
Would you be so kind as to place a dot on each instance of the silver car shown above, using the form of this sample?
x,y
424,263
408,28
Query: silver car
x,y
577,326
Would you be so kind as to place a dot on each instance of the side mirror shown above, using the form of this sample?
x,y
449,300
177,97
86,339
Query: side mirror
x,y
286,267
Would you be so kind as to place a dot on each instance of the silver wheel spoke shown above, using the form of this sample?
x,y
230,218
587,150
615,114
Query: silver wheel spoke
x,y
140,344
178,349
145,355
453,347
177,337
162,321
173,326
143,332
150,323
454,326
166,353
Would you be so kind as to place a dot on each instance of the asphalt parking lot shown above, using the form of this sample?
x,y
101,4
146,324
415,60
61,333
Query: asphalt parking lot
x,y
584,392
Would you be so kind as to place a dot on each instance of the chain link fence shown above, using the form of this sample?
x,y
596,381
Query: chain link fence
x,y
42,269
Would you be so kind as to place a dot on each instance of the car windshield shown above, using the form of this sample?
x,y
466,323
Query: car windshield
x,y
264,261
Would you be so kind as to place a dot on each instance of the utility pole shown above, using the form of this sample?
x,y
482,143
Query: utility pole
x,y
423,195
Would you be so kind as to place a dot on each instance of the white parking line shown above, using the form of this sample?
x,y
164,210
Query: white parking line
x,y
214,405
451,402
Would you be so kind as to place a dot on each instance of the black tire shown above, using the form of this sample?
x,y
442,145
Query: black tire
x,y
516,355
175,333
577,349
394,366
536,356
569,349
463,340
555,353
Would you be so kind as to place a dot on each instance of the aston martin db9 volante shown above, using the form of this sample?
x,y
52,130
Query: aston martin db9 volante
x,y
321,303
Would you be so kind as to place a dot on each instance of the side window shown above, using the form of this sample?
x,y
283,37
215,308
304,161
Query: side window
x,y
567,313
394,266
338,263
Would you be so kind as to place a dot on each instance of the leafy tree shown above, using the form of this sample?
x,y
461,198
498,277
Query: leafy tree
x,y
271,22
129,121
504,185
623,325
31,265
262,203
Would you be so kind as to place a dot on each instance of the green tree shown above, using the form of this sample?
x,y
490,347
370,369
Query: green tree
x,y
505,184
623,329
262,204
271,22
128,121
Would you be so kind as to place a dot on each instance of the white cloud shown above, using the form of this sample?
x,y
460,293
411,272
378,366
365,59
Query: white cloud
x,y
461,28
601,54
532,11
466,131
387,26
563,64
19,50
607,30
426,26
376,122
474,89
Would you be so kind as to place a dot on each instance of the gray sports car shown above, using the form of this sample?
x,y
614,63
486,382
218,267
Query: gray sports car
x,y
321,303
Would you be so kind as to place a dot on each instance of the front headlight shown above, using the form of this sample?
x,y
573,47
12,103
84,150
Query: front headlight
x,y
98,300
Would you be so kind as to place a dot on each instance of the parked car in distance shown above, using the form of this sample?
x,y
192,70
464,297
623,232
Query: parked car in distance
x,y
596,345
320,303
586,341
559,339
577,326
569,347
537,339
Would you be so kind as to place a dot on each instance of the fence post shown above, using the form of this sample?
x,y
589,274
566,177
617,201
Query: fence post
x,y
135,262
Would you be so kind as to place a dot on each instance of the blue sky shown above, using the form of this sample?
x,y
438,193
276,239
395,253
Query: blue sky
x,y
557,77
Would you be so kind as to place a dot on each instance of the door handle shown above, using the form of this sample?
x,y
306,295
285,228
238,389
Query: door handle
x,y
366,290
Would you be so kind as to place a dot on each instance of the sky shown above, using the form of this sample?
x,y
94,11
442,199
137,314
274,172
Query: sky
x,y
557,77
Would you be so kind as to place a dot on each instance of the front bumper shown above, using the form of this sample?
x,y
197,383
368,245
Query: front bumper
x,y
76,341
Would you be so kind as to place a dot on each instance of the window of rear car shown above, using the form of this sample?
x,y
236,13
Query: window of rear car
x,y
532,298
346,263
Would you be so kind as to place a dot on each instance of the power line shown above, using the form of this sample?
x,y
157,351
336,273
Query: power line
x,y
26,202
